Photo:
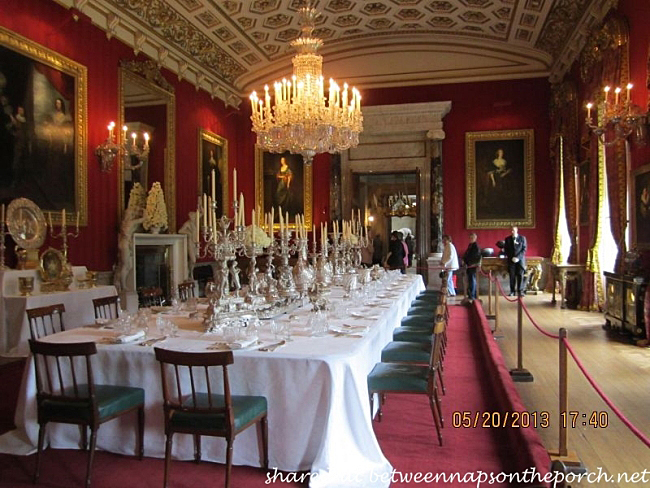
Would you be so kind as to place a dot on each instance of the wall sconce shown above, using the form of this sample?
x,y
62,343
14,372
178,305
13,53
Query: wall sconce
x,y
109,150
620,119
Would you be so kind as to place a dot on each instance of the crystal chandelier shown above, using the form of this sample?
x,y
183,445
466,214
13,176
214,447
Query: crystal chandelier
x,y
619,118
302,120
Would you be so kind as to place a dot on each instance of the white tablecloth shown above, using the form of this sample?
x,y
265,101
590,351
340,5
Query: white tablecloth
x,y
319,410
14,326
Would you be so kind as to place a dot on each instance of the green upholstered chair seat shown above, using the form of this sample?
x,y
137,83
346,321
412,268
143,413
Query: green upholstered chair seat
x,y
417,321
398,377
430,293
111,400
426,312
411,352
428,301
406,334
245,410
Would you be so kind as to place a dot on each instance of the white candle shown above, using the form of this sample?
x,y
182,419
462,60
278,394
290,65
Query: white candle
x,y
617,91
313,231
589,105
242,209
196,222
628,88
281,223
133,136
146,139
272,219
124,129
253,224
205,211
77,221
214,186
63,218
49,219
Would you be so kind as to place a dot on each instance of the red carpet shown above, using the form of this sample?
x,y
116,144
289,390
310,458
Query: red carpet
x,y
406,434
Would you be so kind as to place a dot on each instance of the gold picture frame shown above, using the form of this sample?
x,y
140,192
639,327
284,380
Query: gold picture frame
x,y
640,208
267,167
50,167
218,160
499,176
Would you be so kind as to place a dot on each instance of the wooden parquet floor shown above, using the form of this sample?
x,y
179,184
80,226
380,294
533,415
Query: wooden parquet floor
x,y
620,368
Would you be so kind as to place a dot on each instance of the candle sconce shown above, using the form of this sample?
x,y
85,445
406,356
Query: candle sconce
x,y
620,119
109,150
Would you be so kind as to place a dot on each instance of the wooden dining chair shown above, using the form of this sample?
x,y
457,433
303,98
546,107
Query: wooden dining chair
x,y
206,413
390,378
151,297
66,393
186,290
45,320
107,307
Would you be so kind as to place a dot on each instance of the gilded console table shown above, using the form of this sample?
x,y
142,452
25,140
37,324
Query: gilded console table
x,y
533,270
560,273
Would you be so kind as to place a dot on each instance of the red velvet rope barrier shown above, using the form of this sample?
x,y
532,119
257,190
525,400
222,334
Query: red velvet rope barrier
x,y
589,378
605,398
547,334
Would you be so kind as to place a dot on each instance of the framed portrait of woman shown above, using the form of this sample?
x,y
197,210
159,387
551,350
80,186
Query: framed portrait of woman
x,y
43,127
499,167
283,181
213,156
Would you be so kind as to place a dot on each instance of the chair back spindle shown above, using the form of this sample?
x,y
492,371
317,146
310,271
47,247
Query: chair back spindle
x,y
46,320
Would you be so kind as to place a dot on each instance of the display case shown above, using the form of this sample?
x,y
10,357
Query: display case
x,y
624,303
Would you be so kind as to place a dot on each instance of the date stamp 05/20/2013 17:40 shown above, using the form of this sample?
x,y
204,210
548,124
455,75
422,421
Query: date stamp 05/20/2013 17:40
x,y
465,419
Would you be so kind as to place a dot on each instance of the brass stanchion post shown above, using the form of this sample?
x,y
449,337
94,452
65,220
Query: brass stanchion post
x,y
520,373
568,459
490,285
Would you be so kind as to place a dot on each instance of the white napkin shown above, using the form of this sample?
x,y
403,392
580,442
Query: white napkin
x,y
125,338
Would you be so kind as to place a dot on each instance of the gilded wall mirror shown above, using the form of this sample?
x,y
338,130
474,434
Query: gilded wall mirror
x,y
147,104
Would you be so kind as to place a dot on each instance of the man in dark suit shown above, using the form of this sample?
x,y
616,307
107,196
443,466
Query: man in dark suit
x,y
515,249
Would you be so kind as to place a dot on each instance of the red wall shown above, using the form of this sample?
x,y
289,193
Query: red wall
x,y
519,104
637,13
51,25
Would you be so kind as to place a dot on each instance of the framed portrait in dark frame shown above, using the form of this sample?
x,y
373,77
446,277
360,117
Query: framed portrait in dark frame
x,y
43,127
283,180
640,208
213,155
499,167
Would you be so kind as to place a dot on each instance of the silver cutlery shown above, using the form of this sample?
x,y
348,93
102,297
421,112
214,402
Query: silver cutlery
x,y
272,347
150,342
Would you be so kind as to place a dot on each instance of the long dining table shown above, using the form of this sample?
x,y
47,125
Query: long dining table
x,y
318,405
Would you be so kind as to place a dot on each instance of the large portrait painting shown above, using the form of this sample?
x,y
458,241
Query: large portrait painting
x,y
499,168
213,156
283,180
640,211
43,129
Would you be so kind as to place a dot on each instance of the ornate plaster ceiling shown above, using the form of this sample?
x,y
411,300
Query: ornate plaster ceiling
x,y
232,47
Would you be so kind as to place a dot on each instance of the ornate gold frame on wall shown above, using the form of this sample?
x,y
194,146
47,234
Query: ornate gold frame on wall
x,y
528,156
147,75
259,191
217,140
41,54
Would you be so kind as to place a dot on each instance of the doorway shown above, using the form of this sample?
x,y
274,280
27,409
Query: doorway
x,y
388,202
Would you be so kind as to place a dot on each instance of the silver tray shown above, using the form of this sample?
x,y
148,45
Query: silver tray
x,y
26,223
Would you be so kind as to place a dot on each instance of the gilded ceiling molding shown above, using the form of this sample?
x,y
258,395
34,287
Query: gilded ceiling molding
x,y
174,28
576,36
